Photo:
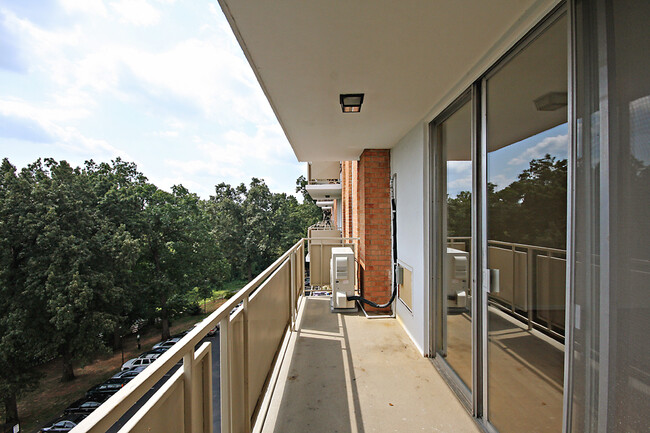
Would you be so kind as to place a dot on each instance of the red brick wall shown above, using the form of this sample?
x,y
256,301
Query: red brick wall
x,y
373,213
347,197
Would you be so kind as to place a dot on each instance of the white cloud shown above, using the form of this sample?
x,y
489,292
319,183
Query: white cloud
x,y
501,181
461,184
52,120
552,145
43,42
92,7
41,112
136,12
459,166
194,92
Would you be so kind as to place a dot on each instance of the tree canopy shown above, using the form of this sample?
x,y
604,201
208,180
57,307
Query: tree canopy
x,y
87,251
531,210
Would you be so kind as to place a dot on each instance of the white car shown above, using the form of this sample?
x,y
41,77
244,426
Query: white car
x,y
167,343
136,362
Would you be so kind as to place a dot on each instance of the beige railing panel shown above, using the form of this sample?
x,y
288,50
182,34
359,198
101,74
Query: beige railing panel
x,y
269,313
321,243
513,275
521,280
202,389
457,245
551,289
502,259
163,412
237,405
300,269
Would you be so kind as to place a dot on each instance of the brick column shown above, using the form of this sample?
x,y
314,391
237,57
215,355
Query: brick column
x,y
373,190
347,197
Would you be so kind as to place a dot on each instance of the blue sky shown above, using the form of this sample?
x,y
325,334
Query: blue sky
x,y
162,83
505,164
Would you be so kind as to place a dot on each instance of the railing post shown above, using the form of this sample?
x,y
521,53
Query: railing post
x,y
206,391
188,368
514,279
293,291
225,345
529,288
247,414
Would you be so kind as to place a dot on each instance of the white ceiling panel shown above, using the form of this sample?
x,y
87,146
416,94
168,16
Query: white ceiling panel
x,y
404,55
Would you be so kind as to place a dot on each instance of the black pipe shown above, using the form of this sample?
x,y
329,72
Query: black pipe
x,y
392,296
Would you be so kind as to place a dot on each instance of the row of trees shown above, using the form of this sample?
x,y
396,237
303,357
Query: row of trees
x,y
84,252
531,210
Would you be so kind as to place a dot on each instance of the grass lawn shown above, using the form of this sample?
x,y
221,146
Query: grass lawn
x,y
52,397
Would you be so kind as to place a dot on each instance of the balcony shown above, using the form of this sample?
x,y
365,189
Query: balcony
x,y
285,364
346,373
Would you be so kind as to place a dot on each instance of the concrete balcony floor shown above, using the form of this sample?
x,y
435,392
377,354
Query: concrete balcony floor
x,y
348,374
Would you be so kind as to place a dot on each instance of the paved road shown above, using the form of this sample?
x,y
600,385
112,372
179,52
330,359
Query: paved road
x,y
216,400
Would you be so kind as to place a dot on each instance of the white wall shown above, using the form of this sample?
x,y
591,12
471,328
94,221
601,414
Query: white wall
x,y
407,161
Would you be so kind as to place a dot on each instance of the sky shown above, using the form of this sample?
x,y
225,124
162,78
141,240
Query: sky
x,y
505,164
162,83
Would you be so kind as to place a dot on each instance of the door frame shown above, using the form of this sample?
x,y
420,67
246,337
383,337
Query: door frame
x,y
483,273
476,400
438,243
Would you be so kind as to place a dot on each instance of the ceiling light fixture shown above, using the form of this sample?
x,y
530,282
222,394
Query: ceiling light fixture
x,y
551,101
351,102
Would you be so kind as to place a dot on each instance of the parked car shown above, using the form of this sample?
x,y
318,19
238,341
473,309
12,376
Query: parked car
x,y
167,343
212,332
85,405
104,390
64,424
181,334
118,380
129,374
154,353
136,362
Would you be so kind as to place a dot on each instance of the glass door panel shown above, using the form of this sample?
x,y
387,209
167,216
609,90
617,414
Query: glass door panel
x,y
454,146
526,200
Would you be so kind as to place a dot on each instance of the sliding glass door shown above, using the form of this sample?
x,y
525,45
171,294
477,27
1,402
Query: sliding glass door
x,y
525,230
452,144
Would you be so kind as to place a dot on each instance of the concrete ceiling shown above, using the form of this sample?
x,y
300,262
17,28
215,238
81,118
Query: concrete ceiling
x,y
404,55
538,69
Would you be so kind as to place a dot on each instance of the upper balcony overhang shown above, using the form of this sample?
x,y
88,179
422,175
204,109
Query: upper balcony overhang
x,y
325,191
324,172
408,58
325,203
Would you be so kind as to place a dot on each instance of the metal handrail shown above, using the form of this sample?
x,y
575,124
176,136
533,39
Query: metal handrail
x,y
530,305
116,406
515,244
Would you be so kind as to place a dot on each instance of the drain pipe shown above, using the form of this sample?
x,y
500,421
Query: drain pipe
x,y
361,299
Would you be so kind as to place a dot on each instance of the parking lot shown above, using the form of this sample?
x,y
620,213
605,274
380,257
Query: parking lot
x,y
214,340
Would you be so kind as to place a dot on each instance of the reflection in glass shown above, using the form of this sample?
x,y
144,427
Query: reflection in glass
x,y
611,348
527,144
455,140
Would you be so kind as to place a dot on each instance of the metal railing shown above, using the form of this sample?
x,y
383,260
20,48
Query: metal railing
x,y
531,279
253,324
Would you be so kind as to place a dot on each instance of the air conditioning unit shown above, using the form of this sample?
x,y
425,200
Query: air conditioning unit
x,y
342,279
457,280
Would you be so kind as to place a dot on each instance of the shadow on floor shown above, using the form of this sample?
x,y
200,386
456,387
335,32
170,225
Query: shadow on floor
x,y
320,380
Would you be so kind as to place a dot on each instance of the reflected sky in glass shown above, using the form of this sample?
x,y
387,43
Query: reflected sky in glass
x,y
510,161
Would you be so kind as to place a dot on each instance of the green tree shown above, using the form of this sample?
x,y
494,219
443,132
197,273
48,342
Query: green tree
x,y
179,252
531,210
23,345
118,188
72,270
